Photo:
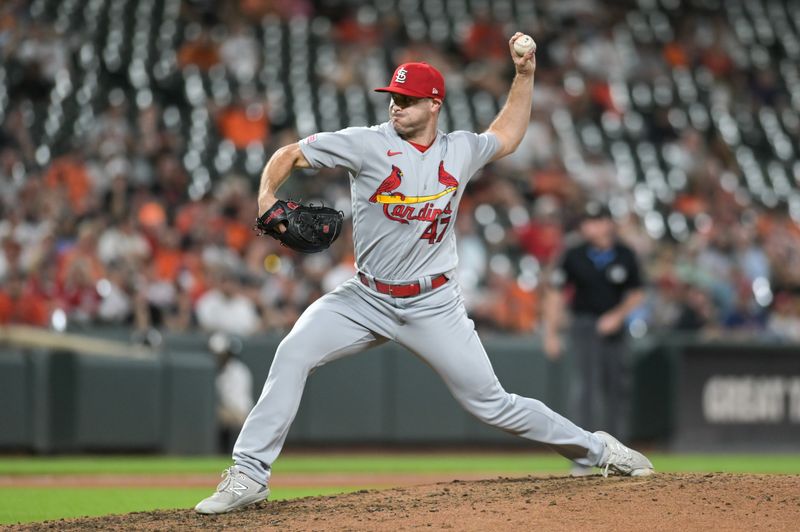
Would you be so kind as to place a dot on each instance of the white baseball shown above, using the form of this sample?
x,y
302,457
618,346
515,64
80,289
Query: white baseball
x,y
524,44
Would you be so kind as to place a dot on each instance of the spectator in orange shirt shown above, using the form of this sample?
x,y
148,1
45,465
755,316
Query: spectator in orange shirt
x,y
199,49
244,122
675,55
68,173
236,214
167,257
20,305
507,305
517,308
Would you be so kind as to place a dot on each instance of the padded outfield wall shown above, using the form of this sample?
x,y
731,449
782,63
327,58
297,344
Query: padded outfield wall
x,y
121,398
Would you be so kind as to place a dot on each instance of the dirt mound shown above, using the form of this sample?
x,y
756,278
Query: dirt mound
x,y
660,502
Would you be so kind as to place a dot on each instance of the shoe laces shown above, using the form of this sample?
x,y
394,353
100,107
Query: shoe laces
x,y
226,479
617,454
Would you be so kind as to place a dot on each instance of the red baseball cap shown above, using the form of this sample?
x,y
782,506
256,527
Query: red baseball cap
x,y
418,80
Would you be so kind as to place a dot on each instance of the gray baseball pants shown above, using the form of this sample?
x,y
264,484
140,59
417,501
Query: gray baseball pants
x,y
435,327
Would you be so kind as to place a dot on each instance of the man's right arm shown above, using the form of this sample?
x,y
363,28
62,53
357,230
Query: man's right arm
x,y
277,170
554,306
512,121
553,318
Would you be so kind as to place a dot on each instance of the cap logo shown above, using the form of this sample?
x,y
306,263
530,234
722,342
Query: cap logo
x,y
401,76
434,91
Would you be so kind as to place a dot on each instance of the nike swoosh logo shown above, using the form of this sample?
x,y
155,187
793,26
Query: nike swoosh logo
x,y
391,153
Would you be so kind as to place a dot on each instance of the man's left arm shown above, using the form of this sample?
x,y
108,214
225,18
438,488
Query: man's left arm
x,y
613,320
512,122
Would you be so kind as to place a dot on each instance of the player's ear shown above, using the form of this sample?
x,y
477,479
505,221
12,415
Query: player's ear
x,y
436,104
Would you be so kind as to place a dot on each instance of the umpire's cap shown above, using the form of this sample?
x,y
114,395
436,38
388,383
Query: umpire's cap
x,y
595,210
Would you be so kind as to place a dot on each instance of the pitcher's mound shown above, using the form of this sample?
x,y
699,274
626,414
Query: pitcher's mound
x,y
663,501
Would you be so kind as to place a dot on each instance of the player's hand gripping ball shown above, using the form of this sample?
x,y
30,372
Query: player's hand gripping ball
x,y
524,44
309,228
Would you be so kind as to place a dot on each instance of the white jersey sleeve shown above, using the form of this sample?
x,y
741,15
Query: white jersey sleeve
x,y
480,147
343,148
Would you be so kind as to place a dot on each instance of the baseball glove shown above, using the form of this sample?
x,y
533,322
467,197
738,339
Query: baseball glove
x,y
309,228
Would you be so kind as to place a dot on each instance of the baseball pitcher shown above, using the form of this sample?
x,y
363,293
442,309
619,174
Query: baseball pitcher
x,y
406,181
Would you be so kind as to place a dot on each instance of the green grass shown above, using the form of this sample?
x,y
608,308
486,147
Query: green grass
x,y
21,505
121,465
36,504
727,463
323,463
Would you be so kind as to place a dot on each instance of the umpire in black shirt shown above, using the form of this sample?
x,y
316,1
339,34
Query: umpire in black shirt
x,y
606,286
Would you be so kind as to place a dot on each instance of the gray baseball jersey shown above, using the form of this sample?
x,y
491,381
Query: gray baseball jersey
x,y
404,208
404,201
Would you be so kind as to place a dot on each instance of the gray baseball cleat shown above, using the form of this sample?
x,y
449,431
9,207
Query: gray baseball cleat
x,y
235,491
621,459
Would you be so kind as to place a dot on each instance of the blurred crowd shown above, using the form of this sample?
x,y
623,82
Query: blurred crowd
x,y
113,226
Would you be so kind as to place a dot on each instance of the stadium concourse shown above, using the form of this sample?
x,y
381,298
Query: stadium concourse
x,y
133,133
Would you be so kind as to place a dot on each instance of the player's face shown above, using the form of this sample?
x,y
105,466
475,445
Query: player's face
x,y
410,115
